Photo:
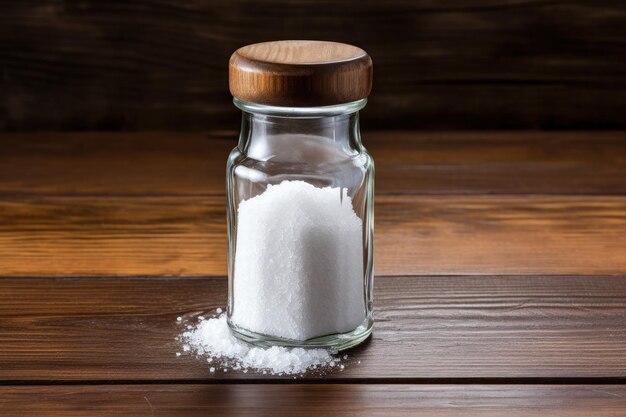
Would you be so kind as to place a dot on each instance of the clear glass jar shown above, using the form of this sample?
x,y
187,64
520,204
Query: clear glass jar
x,y
300,189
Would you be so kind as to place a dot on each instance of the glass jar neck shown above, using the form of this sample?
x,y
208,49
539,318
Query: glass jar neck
x,y
299,133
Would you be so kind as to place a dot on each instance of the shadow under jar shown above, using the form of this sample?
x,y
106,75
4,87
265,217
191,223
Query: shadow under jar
x,y
300,188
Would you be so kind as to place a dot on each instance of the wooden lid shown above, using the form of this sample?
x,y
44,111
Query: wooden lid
x,y
300,73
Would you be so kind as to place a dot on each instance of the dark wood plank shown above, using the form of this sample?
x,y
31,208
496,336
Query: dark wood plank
x,y
114,163
414,235
407,162
427,328
317,400
499,163
162,64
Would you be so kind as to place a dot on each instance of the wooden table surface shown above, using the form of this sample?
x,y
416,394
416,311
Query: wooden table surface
x,y
500,278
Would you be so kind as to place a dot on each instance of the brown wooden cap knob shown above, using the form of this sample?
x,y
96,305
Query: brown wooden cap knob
x,y
300,73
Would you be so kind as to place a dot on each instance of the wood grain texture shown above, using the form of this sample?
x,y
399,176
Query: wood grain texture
x,y
55,236
427,328
317,400
300,73
463,64
96,236
126,207
514,235
127,164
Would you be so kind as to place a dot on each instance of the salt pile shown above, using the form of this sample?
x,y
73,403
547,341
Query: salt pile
x,y
298,270
212,338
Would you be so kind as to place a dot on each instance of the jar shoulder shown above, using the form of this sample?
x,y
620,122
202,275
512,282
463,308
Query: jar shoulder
x,y
250,176
361,160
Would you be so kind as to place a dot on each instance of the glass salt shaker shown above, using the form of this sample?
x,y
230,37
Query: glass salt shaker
x,y
300,190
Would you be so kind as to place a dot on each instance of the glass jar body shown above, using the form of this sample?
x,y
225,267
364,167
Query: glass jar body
x,y
300,196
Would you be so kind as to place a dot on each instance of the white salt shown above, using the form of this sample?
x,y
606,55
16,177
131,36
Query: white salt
x,y
212,337
298,270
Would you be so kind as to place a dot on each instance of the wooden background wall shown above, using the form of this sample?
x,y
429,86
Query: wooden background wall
x,y
453,64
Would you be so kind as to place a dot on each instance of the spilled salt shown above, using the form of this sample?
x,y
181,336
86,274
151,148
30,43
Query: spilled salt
x,y
211,338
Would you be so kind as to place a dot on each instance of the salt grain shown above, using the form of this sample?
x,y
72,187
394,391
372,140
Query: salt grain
x,y
298,270
212,337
